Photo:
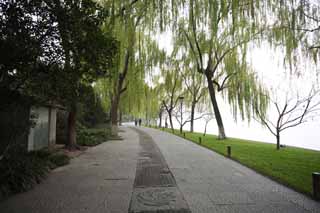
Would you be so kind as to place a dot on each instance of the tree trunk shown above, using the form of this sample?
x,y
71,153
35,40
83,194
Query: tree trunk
x,y
166,123
170,120
193,106
72,134
205,129
118,90
114,110
120,118
278,140
114,114
160,118
66,44
216,110
147,120
181,128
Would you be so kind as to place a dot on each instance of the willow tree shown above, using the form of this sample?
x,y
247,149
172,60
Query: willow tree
x,y
297,28
216,34
160,92
132,101
150,104
125,30
132,22
172,89
195,91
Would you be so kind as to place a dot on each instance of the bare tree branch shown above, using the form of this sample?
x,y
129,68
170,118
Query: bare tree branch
x,y
124,8
292,114
314,47
182,123
219,59
223,85
264,121
194,29
192,49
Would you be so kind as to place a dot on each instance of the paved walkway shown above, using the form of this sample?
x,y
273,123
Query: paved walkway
x,y
213,183
155,188
98,181
119,177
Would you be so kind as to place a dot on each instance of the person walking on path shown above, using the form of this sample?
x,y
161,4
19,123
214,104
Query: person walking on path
x,y
139,121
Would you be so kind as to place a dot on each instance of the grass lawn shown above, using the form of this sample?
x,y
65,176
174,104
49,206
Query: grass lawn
x,y
290,166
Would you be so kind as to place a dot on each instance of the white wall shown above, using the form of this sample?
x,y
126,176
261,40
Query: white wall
x,y
39,134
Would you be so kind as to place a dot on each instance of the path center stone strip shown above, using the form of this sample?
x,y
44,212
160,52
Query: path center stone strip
x,y
155,189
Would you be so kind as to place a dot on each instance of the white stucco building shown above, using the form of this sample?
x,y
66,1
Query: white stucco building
x,y
43,133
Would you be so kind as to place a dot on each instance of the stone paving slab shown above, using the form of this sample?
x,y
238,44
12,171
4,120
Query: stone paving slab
x,y
100,180
155,188
158,199
213,183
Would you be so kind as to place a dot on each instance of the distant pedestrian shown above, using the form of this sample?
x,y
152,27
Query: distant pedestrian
x,y
135,122
139,121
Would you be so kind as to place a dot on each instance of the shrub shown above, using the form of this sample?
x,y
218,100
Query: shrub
x,y
42,153
92,137
20,171
58,159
